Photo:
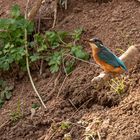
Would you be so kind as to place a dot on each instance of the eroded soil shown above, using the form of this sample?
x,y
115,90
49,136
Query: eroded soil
x,y
103,113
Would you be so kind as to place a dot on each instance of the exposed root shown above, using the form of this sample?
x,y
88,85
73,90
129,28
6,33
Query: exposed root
x,y
55,13
35,9
27,60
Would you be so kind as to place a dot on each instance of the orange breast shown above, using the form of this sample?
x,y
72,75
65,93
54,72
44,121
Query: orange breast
x,y
106,67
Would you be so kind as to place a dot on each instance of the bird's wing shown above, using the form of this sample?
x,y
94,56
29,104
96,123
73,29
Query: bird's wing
x,y
110,58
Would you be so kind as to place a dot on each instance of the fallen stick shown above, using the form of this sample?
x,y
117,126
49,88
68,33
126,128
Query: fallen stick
x,y
27,59
55,13
130,58
35,9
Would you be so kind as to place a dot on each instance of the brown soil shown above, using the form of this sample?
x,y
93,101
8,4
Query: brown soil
x,y
105,114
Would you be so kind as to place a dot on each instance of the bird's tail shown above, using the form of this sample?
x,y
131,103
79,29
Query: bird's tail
x,y
123,66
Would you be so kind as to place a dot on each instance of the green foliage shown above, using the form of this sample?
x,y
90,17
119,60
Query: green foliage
x,y
9,55
120,50
15,11
5,92
39,40
53,39
35,105
117,85
34,57
76,35
56,48
69,66
55,61
12,38
17,114
79,52
65,125
52,46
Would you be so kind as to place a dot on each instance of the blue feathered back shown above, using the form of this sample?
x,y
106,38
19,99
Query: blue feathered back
x,y
106,55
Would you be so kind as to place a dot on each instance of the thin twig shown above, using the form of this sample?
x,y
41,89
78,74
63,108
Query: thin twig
x,y
4,31
35,9
72,104
81,59
41,67
56,80
78,125
50,81
55,13
99,136
27,60
39,19
63,62
89,135
64,78
80,107
55,83
61,39
63,59
51,135
62,86
6,122
44,18
42,137
66,4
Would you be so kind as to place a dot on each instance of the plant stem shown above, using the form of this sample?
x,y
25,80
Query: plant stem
x,y
27,62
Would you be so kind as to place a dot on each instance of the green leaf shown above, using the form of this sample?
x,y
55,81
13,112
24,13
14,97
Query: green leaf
x,y
62,35
9,88
69,66
5,23
1,103
30,27
17,54
5,65
2,95
52,38
78,52
55,45
15,11
65,125
42,48
34,57
12,38
76,35
35,105
2,83
38,39
8,95
55,58
55,61
54,68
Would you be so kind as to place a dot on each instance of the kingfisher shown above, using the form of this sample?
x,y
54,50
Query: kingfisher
x,y
107,60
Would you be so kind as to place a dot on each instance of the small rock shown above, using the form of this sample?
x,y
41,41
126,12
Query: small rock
x,y
67,136
77,10
44,75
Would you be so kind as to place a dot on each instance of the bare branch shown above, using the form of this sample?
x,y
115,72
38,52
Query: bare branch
x,y
55,13
35,9
27,60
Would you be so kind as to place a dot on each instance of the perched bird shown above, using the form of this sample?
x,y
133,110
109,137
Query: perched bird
x,y
108,61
